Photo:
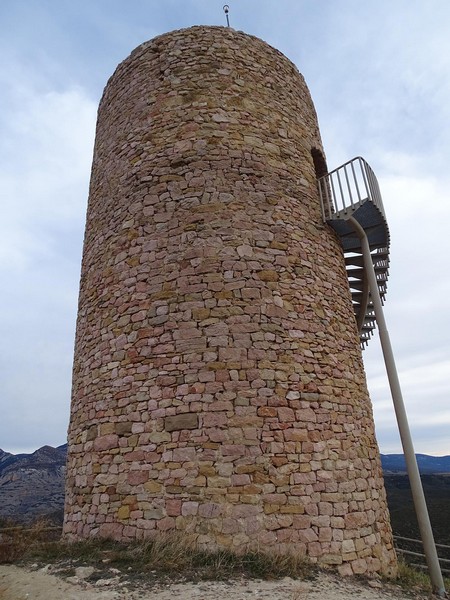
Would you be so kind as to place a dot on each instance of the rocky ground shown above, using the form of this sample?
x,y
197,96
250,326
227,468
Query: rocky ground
x,y
48,583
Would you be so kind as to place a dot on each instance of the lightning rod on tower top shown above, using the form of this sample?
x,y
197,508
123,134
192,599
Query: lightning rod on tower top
x,y
226,10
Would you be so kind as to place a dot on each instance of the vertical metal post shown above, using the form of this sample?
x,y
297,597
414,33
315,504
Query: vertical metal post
x,y
420,505
226,10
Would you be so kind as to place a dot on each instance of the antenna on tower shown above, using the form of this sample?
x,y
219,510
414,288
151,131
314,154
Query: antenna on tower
x,y
226,10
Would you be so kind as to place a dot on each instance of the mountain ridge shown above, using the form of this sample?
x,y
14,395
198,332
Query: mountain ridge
x,y
395,463
32,485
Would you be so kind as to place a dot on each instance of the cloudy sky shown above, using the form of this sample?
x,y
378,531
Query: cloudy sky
x,y
379,73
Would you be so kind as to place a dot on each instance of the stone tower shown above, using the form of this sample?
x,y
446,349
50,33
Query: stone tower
x,y
218,384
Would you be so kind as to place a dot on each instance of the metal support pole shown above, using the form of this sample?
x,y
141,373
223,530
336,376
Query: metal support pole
x,y
420,505
226,10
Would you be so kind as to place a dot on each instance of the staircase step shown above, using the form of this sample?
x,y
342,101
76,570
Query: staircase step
x,y
357,260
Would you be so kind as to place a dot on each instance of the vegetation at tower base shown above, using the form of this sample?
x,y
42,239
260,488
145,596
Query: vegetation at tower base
x,y
218,385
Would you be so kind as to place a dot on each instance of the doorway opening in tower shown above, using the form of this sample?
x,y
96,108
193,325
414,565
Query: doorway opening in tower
x,y
320,164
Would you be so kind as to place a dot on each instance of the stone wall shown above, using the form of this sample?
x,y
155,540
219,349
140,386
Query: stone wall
x,y
218,381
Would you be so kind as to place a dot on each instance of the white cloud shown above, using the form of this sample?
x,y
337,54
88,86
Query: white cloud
x,y
45,156
417,204
46,150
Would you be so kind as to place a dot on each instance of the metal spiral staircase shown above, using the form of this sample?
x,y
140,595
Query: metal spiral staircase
x,y
351,204
351,191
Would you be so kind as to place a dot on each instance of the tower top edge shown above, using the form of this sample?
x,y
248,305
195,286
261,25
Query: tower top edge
x,y
196,32
219,30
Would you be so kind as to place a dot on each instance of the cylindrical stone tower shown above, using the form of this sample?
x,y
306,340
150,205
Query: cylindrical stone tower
x,y
218,383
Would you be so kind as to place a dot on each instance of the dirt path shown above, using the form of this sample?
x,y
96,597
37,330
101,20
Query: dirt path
x,y
24,584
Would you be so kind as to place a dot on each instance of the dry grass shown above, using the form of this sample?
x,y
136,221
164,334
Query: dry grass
x,y
17,540
174,556
410,578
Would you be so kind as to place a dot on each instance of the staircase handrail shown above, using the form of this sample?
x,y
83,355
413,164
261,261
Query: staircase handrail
x,y
346,187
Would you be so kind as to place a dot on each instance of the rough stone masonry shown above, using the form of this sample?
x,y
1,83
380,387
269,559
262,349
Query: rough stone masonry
x,y
218,385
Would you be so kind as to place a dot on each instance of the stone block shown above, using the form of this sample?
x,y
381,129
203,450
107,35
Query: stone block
x,y
106,442
268,275
348,546
181,421
123,513
123,427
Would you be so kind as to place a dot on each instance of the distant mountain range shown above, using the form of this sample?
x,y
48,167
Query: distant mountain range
x,y
395,463
32,485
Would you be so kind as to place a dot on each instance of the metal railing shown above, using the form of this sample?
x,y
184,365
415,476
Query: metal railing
x,y
9,531
417,559
345,188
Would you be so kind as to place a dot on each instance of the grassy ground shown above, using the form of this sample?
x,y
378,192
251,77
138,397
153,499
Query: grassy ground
x,y
170,557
